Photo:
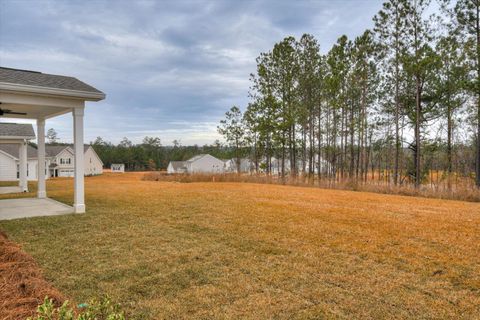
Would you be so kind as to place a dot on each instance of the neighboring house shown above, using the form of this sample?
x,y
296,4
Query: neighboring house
x,y
59,162
10,162
62,161
203,163
276,166
246,165
177,167
117,167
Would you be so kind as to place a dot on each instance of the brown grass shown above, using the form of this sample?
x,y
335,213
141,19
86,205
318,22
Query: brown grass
x,y
22,286
460,191
169,250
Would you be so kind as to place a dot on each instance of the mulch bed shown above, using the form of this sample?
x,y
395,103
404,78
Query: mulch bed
x,y
22,286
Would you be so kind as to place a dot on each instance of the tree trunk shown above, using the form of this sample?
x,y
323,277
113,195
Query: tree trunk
x,y
418,178
477,87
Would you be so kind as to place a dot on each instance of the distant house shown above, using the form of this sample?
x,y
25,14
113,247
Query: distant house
x,y
62,161
203,163
246,165
117,167
59,162
276,165
177,167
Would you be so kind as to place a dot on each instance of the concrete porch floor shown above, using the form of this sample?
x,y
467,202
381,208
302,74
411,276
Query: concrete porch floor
x,y
31,207
12,189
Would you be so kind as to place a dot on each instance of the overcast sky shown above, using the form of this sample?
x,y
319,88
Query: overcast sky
x,y
169,68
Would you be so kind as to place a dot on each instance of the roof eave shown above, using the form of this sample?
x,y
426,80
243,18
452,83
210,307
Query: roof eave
x,y
84,95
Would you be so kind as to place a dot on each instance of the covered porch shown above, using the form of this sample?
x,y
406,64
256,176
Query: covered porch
x,y
32,207
33,95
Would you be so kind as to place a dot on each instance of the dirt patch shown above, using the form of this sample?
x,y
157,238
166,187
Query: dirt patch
x,y
22,286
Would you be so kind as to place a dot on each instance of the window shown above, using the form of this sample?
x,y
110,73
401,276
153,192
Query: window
x,y
65,161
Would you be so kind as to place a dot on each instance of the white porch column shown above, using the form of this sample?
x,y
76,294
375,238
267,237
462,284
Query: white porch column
x,y
79,191
42,190
23,183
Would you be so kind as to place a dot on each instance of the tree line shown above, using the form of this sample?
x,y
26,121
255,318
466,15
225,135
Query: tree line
x,y
396,101
150,154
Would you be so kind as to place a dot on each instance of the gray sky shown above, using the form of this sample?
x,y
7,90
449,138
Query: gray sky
x,y
169,68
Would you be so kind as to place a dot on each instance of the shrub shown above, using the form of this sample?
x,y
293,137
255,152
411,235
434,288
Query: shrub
x,y
96,309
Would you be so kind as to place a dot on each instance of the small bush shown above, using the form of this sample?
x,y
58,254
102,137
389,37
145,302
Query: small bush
x,y
96,309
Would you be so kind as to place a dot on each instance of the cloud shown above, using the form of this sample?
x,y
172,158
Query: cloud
x,y
169,68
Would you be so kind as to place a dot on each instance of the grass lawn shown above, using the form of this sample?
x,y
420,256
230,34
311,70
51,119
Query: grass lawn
x,y
232,250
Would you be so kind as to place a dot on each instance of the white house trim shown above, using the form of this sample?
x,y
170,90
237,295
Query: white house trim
x,y
42,185
83,95
79,190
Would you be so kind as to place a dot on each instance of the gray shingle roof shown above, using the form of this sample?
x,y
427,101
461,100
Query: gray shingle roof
x,y
24,130
34,78
13,150
50,151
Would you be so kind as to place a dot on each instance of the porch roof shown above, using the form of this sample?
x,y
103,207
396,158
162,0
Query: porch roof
x,y
10,131
35,95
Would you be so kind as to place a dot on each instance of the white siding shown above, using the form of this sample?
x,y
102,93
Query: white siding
x,y
206,164
65,159
8,168
93,165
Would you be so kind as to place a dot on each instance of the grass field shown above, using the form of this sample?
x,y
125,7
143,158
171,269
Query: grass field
x,y
169,250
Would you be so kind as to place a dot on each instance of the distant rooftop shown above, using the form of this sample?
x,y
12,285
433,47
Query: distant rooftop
x,y
35,78
17,130
13,150
50,151
195,158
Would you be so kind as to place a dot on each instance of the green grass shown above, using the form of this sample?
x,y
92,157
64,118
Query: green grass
x,y
168,250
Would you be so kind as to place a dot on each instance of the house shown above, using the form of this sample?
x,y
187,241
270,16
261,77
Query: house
x,y
177,167
205,163
202,163
59,162
117,167
26,94
246,165
276,165
62,161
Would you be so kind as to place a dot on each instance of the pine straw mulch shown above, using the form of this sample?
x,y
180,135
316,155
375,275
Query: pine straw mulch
x,y
22,286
